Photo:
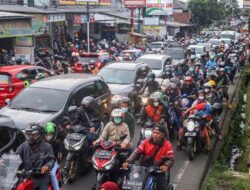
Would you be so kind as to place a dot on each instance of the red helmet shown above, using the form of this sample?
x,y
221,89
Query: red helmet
x,y
188,78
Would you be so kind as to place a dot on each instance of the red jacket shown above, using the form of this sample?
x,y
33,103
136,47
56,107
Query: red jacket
x,y
154,113
165,154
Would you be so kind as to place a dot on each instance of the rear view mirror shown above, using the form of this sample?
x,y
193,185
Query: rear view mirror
x,y
72,109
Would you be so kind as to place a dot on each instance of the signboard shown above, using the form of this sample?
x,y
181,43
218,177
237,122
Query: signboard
x,y
134,3
15,28
54,18
159,7
24,41
25,53
38,25
246,4
152,30
81,2
151,21
79,19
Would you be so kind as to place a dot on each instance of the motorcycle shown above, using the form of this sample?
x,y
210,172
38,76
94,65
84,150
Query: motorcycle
x,y
192,136
107,160
142,178
12,178
185,102
146,130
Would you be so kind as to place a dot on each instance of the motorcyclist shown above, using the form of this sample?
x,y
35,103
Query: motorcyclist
x,y
223,82
86,113
189,87
51,138
128,118
211,94
152,84
181,69
211,64
36,154
201,98
192,60
115,130
156,151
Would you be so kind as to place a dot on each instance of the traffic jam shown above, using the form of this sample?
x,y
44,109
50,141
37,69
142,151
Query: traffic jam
x,y
120,110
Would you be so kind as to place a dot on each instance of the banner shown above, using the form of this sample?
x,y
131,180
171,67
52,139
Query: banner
x,y
151,21
24,41
152,30
134,3
159,7
84,2
54,18
38,25
15,28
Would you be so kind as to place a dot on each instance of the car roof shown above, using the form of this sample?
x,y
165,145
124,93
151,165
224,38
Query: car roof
x,y
152,56
175,48
123,65
214,39
16,68
66,82
131,50
196,46
158,42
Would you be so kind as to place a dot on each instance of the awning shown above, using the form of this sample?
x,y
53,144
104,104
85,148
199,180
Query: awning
x,y
175,24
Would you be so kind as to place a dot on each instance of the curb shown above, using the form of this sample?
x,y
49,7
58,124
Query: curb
x,y
224,122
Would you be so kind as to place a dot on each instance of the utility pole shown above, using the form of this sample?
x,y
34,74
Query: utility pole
x,y
131,25
88,26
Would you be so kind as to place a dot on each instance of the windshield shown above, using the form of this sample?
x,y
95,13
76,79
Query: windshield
x,y
87,59
227,36
4,79
199,50
175,54
117,76
214,42
155,45
40,99
154,64
9,164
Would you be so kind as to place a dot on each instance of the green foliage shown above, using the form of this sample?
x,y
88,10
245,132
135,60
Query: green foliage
x,y
231,7
205,12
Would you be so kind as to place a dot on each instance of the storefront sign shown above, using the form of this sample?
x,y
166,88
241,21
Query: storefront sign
x,y
152,30
79,19
24,41
159,7
15,28
151,21
134,3
81,2
25,53
38,25
54,18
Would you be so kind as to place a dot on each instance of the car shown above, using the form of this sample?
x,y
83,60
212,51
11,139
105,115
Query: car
x,y
125,79
156,62
177,54
99,59
53,98
199,50
157,46
11,81
228,34
227,41
215,42
134,53
208,46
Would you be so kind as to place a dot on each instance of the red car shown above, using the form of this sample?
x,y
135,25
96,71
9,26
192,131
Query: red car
x,y
99,60
10,80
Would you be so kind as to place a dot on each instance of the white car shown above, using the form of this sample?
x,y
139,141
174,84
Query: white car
x,y
156,46
198,49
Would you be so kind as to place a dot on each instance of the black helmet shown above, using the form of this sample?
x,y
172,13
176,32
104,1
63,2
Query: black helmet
x,y
151,76
19,61
217,107
34,134
125,100
88,101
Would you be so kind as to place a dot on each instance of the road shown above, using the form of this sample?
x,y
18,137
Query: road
x,y
185,174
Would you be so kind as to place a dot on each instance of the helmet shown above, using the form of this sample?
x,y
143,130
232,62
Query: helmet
x,y
50,131
222,70
188,78
87,101
176,81
201,95
182,62
217,107
19,61
207,87
191,69
192,57
125,100
221,64
34,134
197,64
212,83
116,116
151,76
157,96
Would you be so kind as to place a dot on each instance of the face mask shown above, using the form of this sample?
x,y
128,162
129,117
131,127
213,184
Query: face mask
x,y
117,120
124,110
48,137
206,90
201,97
150,80
156,104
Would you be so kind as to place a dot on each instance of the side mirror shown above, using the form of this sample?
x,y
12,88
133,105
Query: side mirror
x,y
7,101
72,109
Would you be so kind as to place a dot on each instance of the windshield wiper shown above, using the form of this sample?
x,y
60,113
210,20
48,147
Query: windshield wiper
x,y
47,110
29,109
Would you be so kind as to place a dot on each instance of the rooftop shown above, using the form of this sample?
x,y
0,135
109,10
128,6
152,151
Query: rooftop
x,y
7,15
123,65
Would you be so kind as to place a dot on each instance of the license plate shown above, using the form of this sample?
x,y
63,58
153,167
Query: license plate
x,y
75,136
190,134
103,154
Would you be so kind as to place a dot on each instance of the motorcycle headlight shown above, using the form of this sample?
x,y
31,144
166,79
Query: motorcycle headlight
x,y
66,144
148,133
109,166
190,126
144,100
184,102
77,147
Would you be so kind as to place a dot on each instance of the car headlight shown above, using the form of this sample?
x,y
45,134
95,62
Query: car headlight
x,y
148,133
190,126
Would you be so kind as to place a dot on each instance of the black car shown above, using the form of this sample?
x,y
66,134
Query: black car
x,y
177,54
52,98
125,79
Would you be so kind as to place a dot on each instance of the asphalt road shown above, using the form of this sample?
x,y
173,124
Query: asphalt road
x,y
185,174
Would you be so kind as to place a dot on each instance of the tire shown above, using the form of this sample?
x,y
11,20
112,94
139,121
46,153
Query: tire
x,y
73,165
190,151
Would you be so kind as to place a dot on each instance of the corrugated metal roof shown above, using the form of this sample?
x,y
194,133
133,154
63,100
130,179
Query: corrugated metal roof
x,y
25,9
8,15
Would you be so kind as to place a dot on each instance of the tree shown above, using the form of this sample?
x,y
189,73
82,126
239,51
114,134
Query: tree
x,y
231,7
204,12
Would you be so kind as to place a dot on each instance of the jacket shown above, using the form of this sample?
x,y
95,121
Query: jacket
x,y
164,156
130,121
154,113
113,132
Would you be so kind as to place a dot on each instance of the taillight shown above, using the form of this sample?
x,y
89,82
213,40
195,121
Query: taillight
x,y
11,89
98,65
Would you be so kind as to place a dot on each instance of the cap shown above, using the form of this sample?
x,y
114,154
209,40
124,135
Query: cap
x,y
159,127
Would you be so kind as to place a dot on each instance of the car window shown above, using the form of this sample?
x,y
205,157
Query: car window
x,y
4,78
32,73
101,88
42,71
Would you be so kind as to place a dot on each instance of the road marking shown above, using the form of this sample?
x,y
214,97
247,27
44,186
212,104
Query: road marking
x,y
180,173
